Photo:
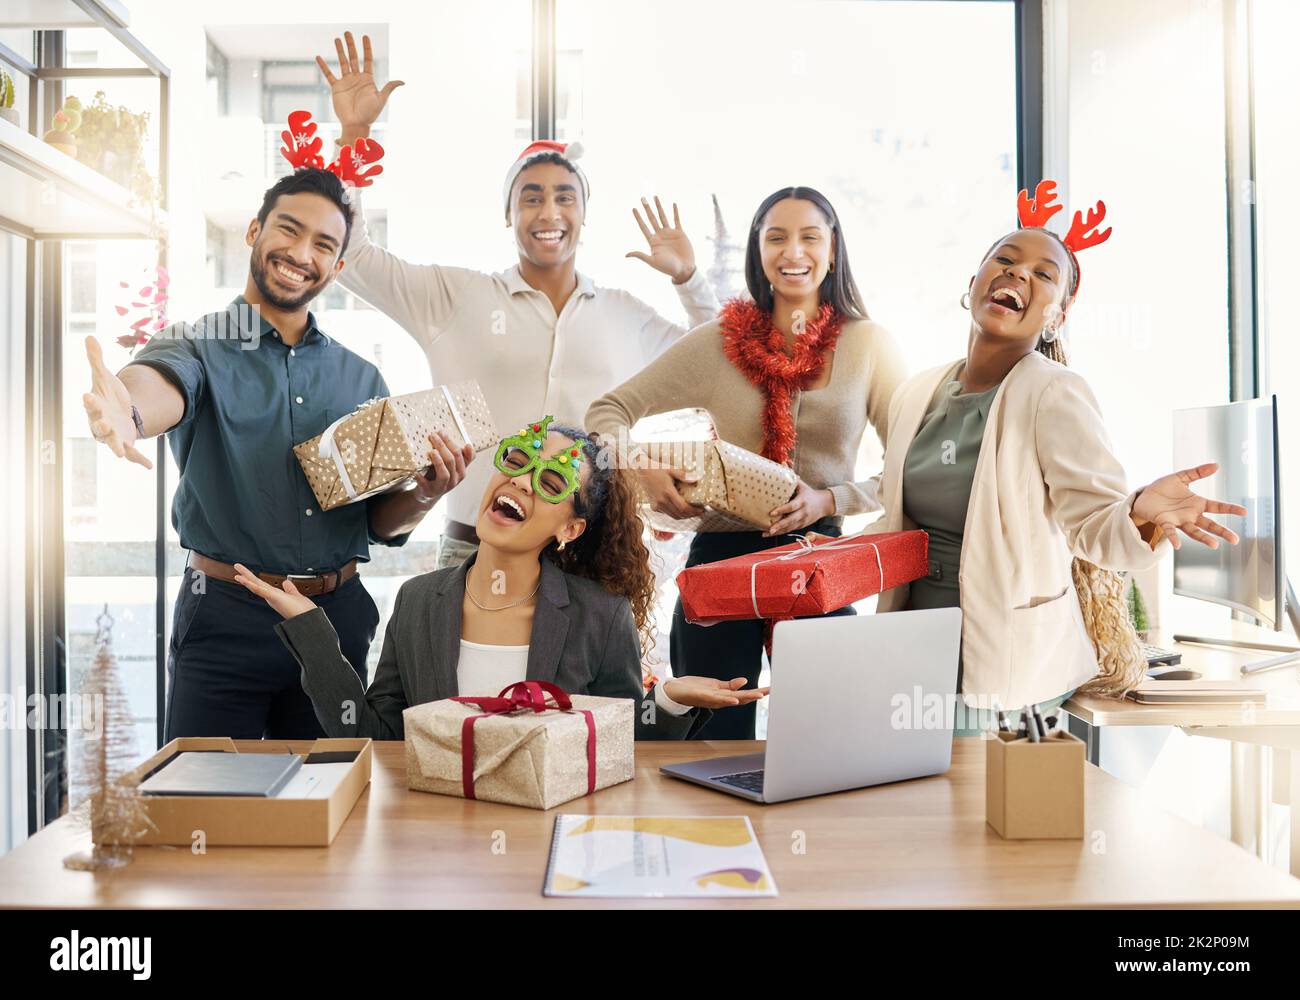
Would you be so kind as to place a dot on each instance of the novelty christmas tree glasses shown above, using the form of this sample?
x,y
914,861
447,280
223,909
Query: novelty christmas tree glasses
x,y
555,478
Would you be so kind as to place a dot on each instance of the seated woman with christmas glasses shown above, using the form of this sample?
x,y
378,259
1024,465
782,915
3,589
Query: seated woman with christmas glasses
x,y
1003,458
559,590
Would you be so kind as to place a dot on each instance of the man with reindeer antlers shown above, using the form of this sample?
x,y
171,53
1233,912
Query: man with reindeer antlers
x,y
234,392
539,337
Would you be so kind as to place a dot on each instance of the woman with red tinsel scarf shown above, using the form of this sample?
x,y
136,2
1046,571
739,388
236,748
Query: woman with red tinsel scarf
x,y
795,373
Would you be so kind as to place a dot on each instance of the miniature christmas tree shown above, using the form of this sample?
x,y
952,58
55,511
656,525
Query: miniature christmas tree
x,y
726,274
1137,610
109,806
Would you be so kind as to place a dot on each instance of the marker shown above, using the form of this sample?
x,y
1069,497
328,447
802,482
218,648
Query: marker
x,y
1038,720
1030,724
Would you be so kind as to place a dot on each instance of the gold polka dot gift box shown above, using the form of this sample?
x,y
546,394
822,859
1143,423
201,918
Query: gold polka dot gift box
x,y
736,487
385,442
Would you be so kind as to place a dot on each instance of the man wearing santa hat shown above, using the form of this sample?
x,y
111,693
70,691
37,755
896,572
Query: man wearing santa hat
x,y
539,337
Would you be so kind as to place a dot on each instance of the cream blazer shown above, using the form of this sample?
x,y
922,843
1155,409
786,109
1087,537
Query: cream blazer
x,y
1047,487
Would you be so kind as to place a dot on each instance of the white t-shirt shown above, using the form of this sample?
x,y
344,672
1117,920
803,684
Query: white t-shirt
x,y
486,670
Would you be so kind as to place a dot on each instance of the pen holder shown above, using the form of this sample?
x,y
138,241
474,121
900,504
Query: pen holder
x,y
1034,790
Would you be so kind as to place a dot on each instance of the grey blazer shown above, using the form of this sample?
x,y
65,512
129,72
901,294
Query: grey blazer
x,y
584,640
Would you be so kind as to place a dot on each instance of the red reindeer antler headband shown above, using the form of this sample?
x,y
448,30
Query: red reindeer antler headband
x,y
355,166
1083,232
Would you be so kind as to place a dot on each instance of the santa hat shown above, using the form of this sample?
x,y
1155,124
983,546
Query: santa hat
x,y
570,151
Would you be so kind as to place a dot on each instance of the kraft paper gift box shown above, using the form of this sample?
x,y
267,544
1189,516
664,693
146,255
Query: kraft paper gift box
x,y
385,441
503,750
802,579
1034,790
737,487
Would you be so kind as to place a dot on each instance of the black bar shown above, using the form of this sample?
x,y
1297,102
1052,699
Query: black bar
x,y
1029,93
32,645
543,69
1239,152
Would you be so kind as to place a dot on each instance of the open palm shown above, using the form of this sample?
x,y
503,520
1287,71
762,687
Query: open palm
x,y
1170,503
671,252
357,101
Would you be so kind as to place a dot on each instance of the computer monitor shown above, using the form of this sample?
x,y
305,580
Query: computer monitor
x,y
1248,577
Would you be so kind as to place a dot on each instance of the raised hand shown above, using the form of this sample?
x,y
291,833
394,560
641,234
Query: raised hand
x,y
671,252
1170,504
708,692
288,602
357,101
108,408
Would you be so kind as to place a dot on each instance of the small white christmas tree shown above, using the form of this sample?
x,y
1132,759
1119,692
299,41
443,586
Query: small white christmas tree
x,y
99,798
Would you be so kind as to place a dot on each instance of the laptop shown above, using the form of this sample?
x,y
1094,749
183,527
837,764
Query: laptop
x,y
853,704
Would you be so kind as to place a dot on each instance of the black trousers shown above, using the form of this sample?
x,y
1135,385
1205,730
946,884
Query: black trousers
x,y
228,673
728,649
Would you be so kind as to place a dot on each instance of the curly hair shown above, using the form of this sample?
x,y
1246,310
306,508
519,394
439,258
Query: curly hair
x,y
611,551
1120,661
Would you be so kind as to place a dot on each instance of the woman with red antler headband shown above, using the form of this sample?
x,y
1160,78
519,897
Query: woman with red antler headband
x,y
1002,456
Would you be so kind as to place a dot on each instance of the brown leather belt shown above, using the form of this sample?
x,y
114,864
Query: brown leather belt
x,y
308,586
460,532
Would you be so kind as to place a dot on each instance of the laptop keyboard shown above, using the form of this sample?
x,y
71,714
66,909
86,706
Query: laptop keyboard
x,y
750,781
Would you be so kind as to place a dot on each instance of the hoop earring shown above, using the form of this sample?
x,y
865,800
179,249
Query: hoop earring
x,y
965,300
1049,334
832,267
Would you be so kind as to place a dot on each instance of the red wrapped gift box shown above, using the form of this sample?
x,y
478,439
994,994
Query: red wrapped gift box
x,y
802,579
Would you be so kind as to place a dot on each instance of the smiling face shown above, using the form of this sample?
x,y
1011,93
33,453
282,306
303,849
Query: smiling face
x,y
546,205
796,248
297,253
1021,287
513,518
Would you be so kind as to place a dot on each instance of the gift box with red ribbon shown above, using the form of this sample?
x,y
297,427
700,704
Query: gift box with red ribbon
x,y
803,578
532,745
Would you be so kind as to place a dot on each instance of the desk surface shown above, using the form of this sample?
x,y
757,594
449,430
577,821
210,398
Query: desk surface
x,y
1214,663
913,844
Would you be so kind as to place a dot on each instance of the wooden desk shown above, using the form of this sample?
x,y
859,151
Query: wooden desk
x,y
1275,724
912,844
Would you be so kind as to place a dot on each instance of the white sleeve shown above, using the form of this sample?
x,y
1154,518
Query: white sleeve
x,y
666,703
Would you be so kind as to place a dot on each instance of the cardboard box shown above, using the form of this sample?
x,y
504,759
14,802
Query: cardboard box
x,y
252,822
1034,790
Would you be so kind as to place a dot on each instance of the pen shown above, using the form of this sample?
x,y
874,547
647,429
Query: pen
x,y
1002,718
1038,721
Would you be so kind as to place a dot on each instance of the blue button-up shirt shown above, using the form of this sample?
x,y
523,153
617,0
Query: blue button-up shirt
x,y
249,398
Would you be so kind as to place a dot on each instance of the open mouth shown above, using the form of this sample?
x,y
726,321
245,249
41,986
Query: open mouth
x,y
289,274
1008,299
795,272
549,237
506,509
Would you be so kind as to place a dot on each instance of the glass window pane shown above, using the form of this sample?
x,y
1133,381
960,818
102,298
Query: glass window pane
x,y
109,522
1277,163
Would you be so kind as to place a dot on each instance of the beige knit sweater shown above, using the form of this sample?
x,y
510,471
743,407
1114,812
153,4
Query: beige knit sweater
x,y
866,368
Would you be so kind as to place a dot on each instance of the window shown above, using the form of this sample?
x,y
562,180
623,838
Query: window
x,y
1277,163
849,105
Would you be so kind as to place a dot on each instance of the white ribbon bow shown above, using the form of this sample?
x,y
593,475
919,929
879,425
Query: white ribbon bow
x,y
806,546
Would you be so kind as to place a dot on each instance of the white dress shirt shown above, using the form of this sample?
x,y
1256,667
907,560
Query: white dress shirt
x,y
488,670
504,333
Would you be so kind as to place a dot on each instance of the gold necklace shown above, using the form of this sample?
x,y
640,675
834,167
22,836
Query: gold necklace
x,y
470,594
